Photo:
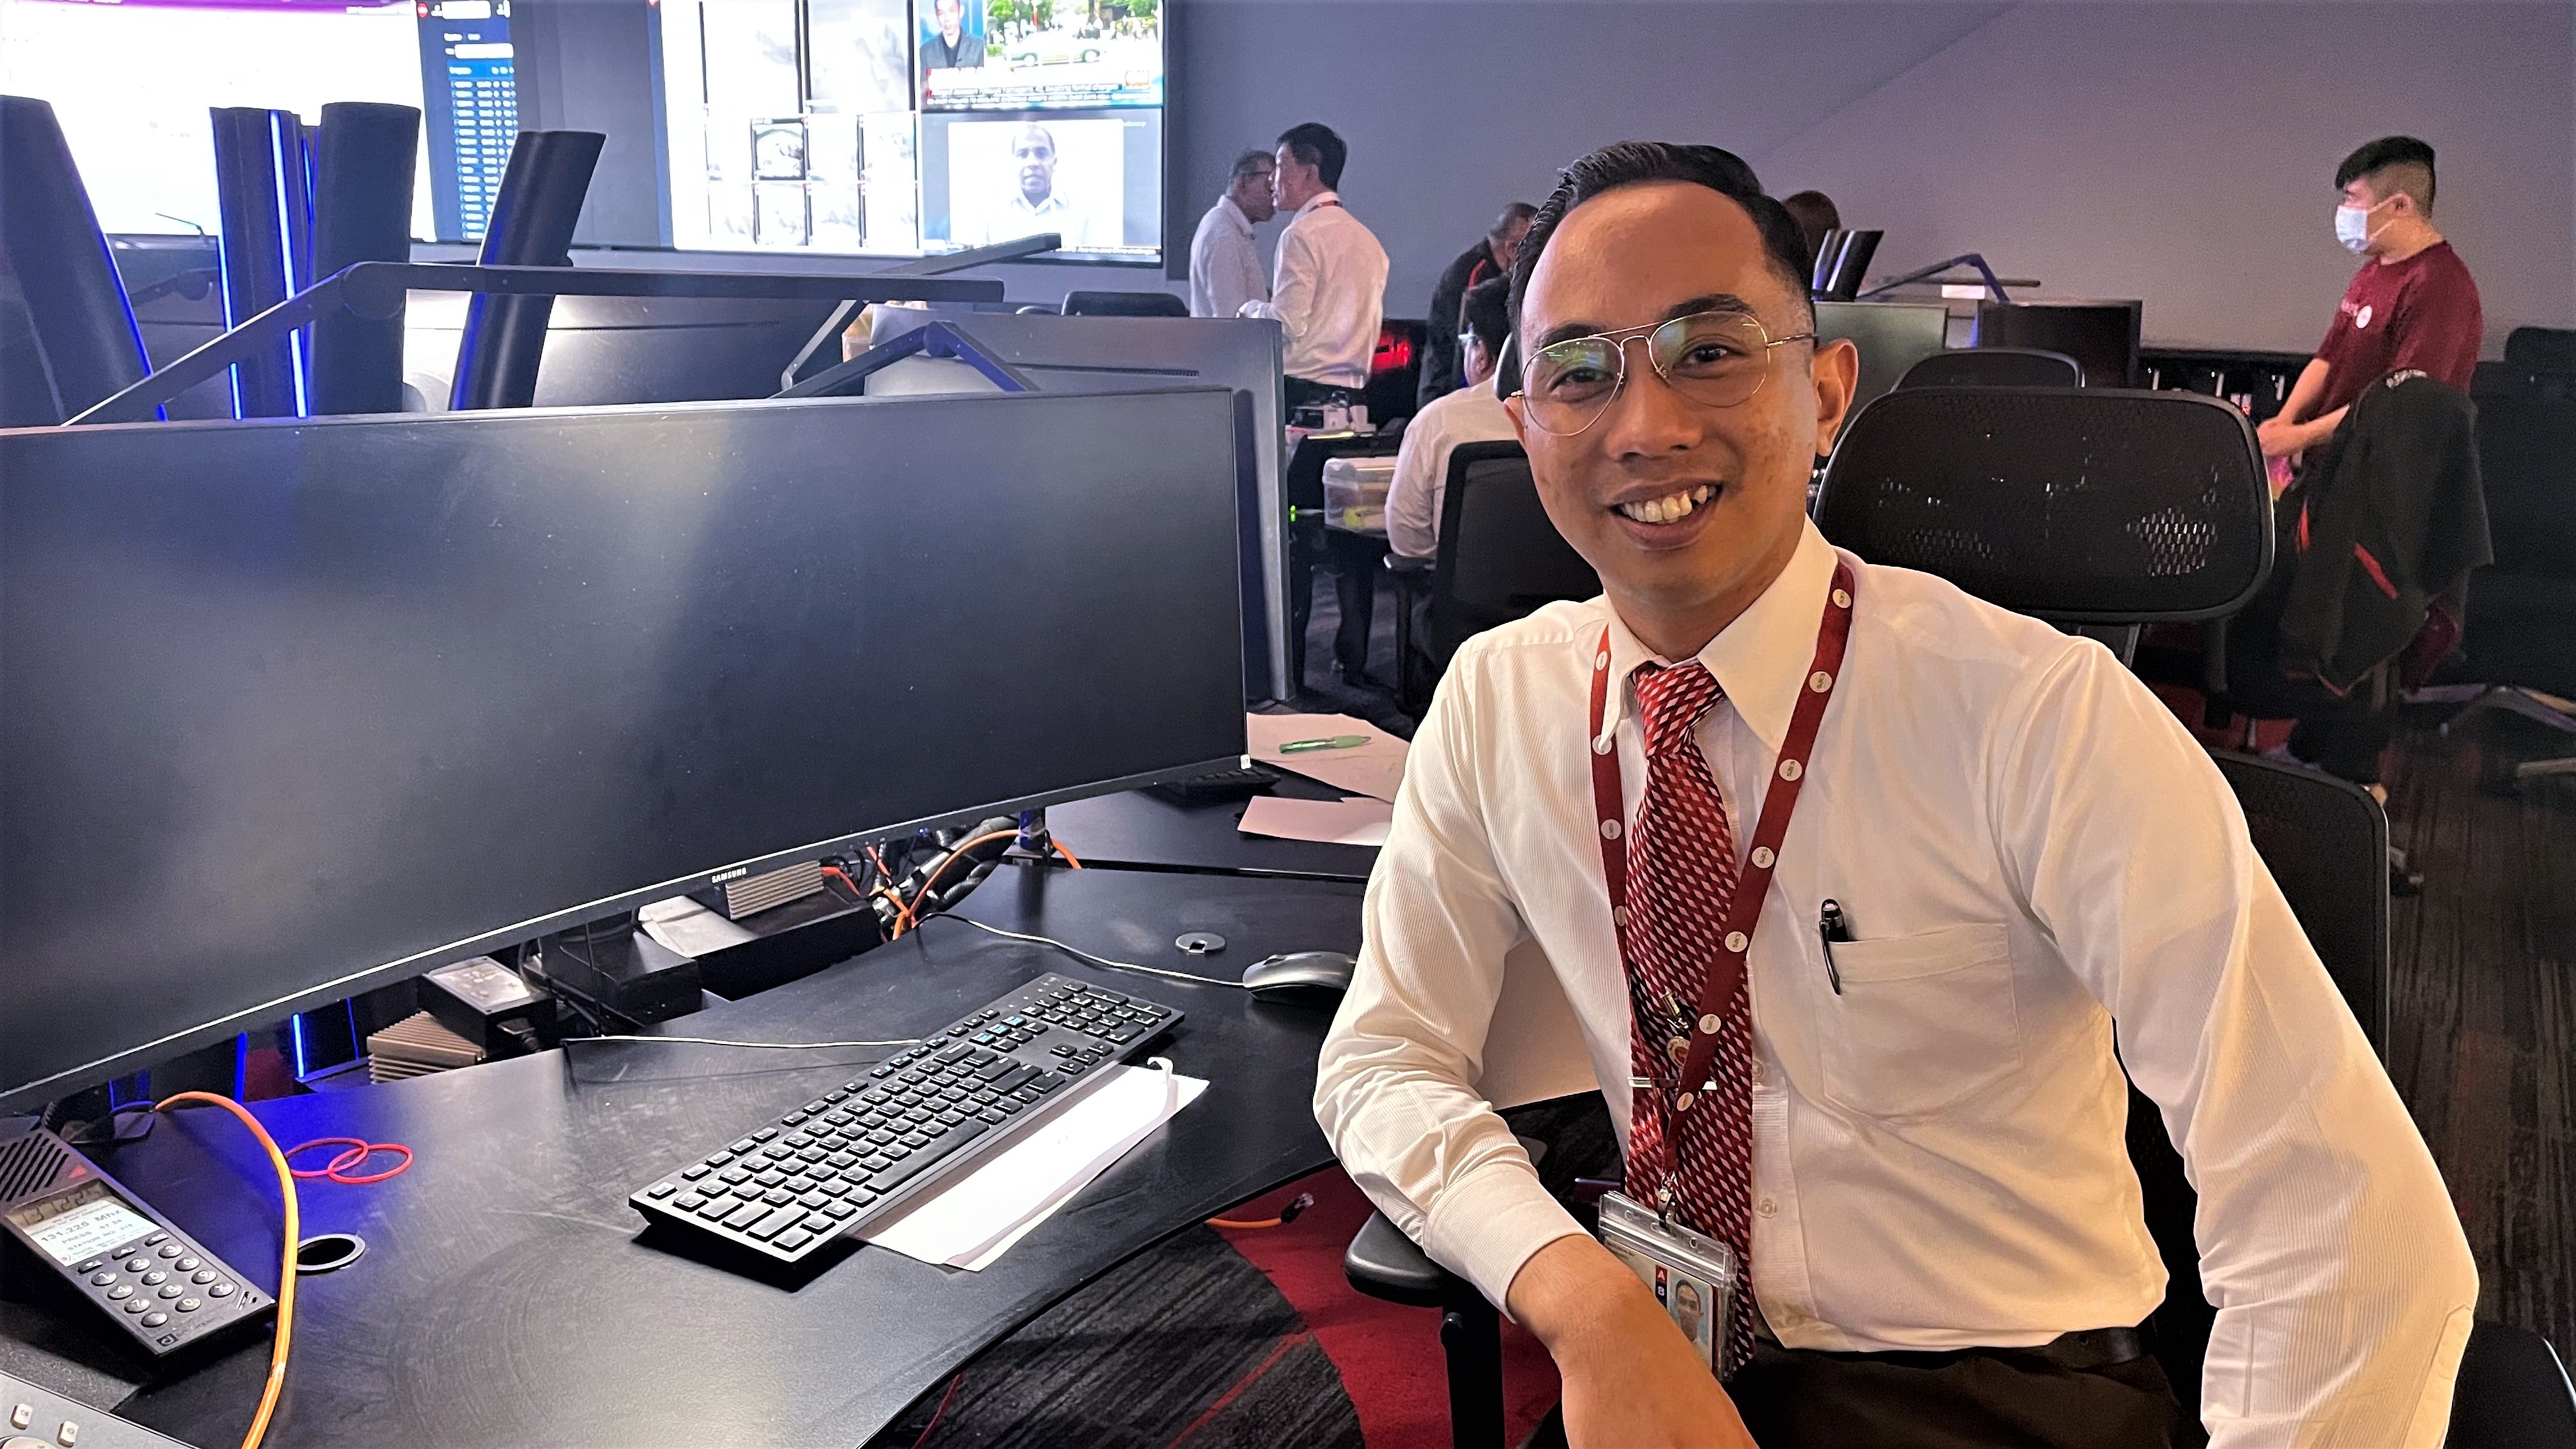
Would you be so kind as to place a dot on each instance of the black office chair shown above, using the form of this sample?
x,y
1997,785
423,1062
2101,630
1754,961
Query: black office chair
x,y
2098,508
1124,304
1499,559
2512,1393
1309,546
2519,640
1994,367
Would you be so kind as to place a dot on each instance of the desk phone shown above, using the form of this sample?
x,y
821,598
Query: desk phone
x,y
161,1289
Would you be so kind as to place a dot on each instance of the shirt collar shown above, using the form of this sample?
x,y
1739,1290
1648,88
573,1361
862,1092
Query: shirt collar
x,y
1234,214
1761,659
1320,198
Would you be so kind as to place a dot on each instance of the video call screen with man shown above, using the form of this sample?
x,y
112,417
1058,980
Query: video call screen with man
x,y
910,126
1094,179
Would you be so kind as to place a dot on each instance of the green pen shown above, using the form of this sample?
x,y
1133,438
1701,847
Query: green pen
x,y
1335,742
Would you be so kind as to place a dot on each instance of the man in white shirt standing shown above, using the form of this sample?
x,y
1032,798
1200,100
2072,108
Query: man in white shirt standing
x,y
1329,284
1472,414
1225,265
1872,1052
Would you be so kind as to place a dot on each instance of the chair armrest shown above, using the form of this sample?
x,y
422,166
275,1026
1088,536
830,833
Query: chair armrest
x,y
1383,1263
1405,565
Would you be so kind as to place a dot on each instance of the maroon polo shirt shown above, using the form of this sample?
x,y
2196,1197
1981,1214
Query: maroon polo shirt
x,y
2421,313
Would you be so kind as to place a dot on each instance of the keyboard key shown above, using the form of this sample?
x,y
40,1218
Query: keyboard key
x,y
715,1210
220,1290
776,1223
777,1195
744,1216
817,1223
843,1209
694,1173
903,1172
812,1200
792,1239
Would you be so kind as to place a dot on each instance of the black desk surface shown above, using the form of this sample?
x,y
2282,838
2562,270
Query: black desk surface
x,y
504,1297
1143,831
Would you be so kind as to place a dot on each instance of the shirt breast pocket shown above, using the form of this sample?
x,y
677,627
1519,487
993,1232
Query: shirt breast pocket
x,y
1923,1021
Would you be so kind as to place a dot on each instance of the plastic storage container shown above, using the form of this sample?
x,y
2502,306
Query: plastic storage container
x,y
1355,492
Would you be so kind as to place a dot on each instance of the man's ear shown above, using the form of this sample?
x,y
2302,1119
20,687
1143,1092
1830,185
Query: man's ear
x,y
1837,376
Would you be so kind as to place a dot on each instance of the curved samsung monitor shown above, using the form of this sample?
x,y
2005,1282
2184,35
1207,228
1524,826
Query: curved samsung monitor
x,y
289,710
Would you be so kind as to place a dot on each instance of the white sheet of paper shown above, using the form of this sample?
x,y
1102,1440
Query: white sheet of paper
x,y
1374,768
973,1221
1359,820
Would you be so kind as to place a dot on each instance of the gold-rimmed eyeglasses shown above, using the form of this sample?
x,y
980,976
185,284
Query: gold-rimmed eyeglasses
x,y
1715,359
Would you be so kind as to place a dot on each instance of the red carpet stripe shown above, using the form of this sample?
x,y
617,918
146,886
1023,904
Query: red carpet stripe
x,y
1276,1353
1388,1355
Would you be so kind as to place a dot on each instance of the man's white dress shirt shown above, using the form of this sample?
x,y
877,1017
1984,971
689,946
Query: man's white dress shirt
x,y
1472,414
1016,218
2026,845
1225,264
1328,292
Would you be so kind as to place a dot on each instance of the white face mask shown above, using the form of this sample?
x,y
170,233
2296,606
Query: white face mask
x,y
2352,226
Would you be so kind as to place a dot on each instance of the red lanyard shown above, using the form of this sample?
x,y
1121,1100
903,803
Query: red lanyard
x,y
1753,882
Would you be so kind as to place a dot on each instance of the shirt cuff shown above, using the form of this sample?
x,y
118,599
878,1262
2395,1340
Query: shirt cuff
x,y
1488,1223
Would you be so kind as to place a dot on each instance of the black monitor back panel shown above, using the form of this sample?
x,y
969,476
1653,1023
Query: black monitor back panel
x,y
2102,337
1891,336
292,709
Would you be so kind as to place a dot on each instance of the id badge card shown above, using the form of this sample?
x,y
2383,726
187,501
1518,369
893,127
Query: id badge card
x,y
1691,1273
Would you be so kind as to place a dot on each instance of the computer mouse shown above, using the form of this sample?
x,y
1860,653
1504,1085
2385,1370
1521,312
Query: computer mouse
x,y
1298,974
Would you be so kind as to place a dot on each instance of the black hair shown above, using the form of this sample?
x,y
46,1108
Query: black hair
x,y
1487,312
2399,155
1315,144
1248,163
1511,216
1629,163
1816,214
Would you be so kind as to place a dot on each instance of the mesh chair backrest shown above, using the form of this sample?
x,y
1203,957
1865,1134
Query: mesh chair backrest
x,y
1500,558
1994,367
1124,304
2326,843
2081,505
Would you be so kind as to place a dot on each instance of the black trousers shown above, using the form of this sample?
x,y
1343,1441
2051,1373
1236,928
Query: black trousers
x,y
1973,1399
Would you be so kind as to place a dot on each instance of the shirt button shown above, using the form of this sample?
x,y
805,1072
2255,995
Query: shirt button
x,y
1767,1208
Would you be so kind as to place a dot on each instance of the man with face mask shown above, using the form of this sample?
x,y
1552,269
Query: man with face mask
x,y
2412,304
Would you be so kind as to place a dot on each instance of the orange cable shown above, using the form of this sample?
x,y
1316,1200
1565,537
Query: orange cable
x,y
286,1270
1068,855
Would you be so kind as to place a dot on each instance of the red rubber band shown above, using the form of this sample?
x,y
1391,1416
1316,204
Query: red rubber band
x,y
361,1179
359,1145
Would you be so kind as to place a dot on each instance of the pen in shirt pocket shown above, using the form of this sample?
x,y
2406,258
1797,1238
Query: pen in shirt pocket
x,y
1831,927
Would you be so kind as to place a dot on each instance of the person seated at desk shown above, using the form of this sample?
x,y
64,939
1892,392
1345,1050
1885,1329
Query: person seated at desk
x,y
1893,1091
1443,361
1328,288
1225,262
2413,304
1472,414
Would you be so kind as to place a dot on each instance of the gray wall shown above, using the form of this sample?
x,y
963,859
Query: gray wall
x,y
2177,152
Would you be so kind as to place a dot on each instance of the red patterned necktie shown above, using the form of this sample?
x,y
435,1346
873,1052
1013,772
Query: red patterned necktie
x,y
1681,881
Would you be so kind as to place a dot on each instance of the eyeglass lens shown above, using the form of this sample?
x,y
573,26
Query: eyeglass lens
x,y
1716,359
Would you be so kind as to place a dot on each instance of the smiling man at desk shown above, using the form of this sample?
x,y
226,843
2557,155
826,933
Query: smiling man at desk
x,y
1849,878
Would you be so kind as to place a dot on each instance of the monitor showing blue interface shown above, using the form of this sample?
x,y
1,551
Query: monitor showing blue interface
x,y
133,79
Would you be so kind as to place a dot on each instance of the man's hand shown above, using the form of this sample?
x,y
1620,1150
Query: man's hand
x,y
2281,438
1631,1380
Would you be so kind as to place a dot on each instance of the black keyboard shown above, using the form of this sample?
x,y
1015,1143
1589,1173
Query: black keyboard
x,y
856,1153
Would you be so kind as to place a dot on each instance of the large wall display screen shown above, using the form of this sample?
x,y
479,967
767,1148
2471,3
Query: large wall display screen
x,y
903,127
